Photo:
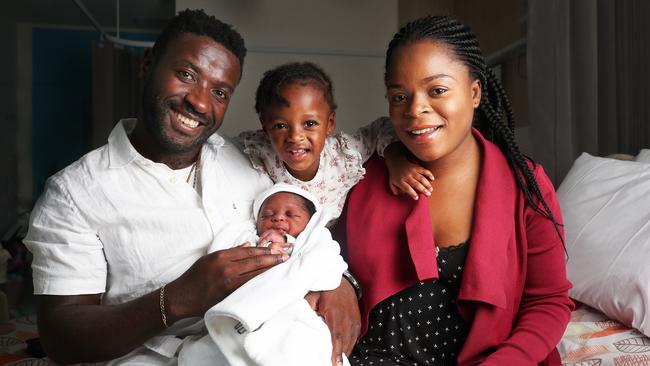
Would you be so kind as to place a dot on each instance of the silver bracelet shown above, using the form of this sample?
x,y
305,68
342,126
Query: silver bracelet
x,y
163,316
353,281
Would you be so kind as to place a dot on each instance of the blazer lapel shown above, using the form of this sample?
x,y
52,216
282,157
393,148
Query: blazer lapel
x,y
419,236
484,274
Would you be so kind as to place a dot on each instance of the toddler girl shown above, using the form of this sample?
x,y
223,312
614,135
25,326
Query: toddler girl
x,y
297,143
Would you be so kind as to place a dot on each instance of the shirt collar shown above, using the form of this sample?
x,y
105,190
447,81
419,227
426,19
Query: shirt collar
x,y
121,152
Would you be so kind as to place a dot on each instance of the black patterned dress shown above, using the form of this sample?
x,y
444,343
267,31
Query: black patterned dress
x,y
420,325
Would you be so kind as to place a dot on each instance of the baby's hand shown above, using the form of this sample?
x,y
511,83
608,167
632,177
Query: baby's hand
x,y
410,179
279,247
275,240
273,236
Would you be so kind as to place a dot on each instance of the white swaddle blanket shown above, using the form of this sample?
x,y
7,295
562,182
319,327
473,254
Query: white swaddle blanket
x,y
267,321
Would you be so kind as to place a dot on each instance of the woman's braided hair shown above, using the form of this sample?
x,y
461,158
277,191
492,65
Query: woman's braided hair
x,y
494,117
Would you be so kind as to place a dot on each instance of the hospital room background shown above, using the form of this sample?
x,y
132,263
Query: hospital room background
x,y
576,72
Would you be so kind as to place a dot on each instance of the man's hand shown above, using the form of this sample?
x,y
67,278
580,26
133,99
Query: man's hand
x,y
215,276
74,329
340,309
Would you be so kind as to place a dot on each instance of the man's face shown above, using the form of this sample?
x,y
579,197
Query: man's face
x,y
187,91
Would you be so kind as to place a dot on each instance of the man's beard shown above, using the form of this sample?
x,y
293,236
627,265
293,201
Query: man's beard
x,y
155,110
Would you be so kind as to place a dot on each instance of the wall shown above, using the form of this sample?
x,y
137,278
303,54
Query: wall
x,y
498,24
347,38
8,126
16,20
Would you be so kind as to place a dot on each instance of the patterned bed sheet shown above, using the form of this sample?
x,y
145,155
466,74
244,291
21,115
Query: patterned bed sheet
x,y
13,343
592,339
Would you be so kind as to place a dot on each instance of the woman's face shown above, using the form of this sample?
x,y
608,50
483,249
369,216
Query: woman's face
x,y
431,97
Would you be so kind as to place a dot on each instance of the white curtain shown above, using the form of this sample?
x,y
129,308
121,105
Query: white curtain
x,y
588,80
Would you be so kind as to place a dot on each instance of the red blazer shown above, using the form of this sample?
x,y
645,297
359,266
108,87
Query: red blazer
x,y
514,290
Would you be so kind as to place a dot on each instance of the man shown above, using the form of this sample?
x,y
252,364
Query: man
x,y
119,237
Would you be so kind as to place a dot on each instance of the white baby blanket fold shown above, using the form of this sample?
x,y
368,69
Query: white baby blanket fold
x,y
201,351
267,321
234,234
294,336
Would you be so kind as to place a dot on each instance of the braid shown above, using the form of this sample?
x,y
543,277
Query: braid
x,y
501,100
494,117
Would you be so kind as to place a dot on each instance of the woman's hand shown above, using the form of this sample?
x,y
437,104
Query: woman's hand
x,y
340,310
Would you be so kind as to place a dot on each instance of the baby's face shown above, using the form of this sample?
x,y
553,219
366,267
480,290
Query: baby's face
x,y
285,212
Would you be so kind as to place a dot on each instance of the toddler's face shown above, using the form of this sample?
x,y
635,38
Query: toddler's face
x,y
298,129
284,212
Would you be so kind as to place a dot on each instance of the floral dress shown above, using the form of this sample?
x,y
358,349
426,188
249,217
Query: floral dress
x,y
341,161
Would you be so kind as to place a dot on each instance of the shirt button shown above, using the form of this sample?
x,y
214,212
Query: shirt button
x,y
172,180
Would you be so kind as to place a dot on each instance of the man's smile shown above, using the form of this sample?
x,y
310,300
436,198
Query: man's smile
x,y
191,123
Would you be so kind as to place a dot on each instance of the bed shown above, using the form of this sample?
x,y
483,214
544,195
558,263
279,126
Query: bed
x,y
606,209
16,337
593,339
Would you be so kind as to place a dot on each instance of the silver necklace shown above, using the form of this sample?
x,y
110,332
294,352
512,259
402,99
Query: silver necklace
x,y
194,171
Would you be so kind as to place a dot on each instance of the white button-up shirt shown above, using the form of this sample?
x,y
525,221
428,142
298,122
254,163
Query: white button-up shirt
x,y
119,224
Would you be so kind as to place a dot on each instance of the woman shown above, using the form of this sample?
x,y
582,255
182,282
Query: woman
x,y
474,273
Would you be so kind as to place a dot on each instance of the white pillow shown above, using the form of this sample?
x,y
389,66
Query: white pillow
x,y
644,156
606,209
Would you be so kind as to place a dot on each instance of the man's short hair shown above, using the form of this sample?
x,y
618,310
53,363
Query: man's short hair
x,y
196,21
